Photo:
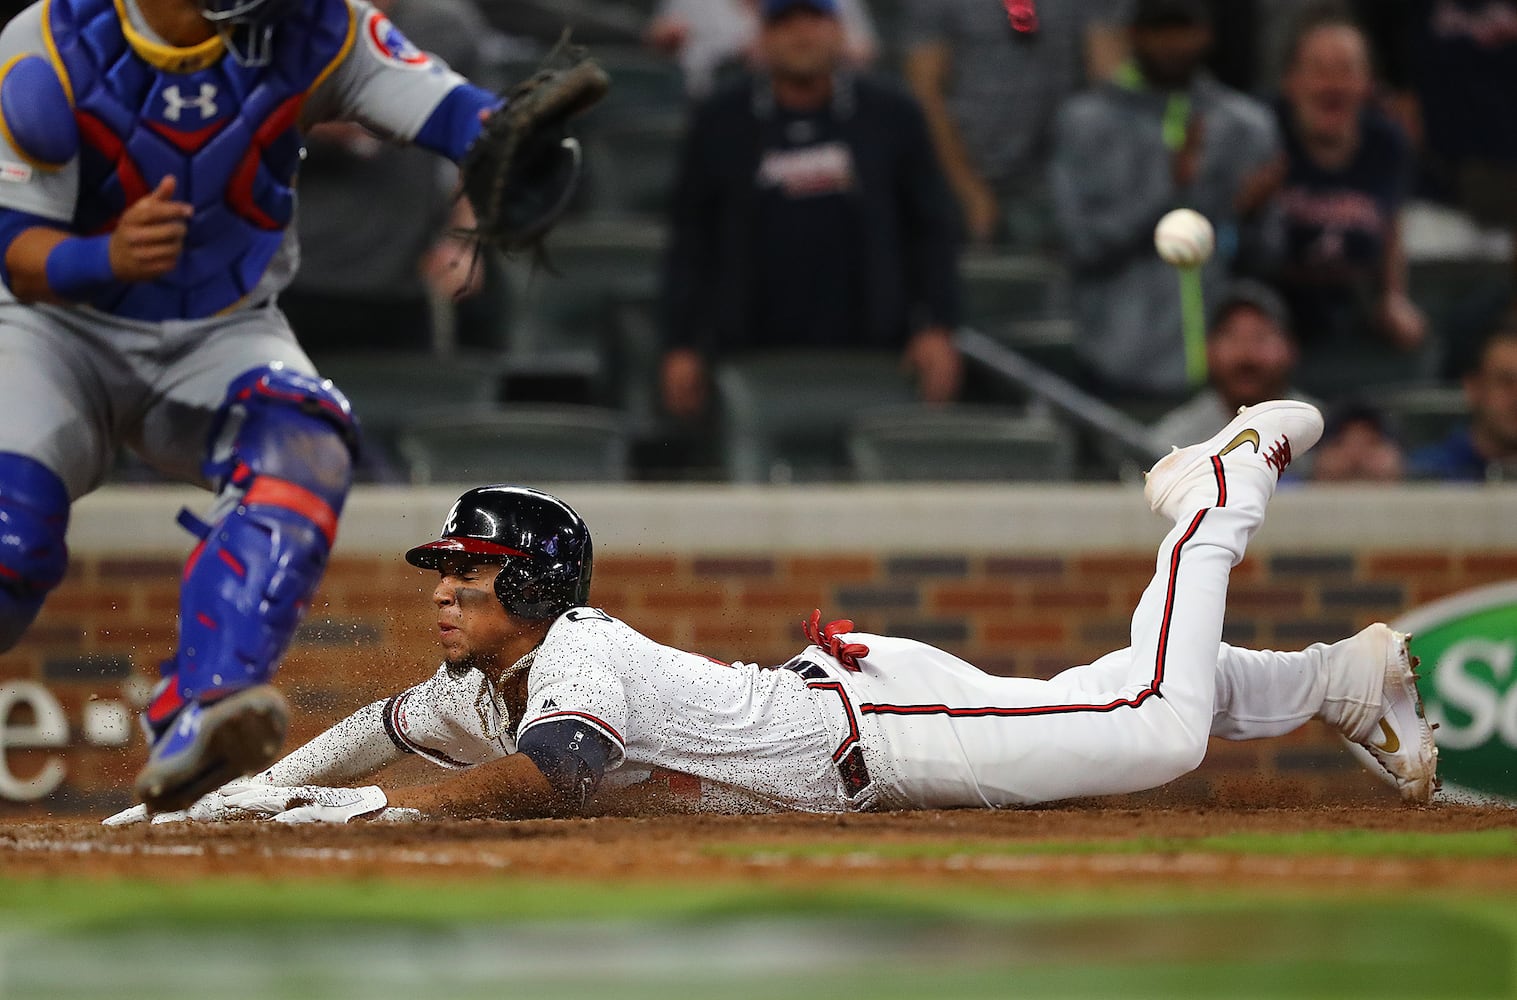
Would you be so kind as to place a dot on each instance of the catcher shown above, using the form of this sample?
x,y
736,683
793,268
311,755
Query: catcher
x,y
148,160
540,697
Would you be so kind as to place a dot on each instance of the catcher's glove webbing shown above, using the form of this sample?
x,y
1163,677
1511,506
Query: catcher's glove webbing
x,y
522,170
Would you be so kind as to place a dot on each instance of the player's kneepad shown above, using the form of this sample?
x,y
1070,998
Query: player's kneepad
x,y
38,119
282,423
34,509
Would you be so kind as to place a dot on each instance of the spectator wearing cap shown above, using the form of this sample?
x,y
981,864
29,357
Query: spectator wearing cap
x,y
990,76
1350,167
1359,445
712,37
1161,135
1250,355
1486,450
809,211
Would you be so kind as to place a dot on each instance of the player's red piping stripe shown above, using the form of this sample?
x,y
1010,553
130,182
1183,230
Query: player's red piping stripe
x,y
187,141
231,561
853,723
1031,710
9,573
239,194
401,739
272,492
205,619
1216,464
610,731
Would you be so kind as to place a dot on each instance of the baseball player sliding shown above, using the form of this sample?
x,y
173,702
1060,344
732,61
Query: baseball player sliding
x,y
148,156
540,696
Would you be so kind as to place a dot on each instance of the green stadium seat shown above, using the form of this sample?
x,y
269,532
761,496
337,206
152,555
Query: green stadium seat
x,y
631,166
1424,414
1002,287
387,389
785,415
959,444
516,444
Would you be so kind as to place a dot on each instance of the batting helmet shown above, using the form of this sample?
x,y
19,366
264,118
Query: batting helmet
x,y
542,545
247,26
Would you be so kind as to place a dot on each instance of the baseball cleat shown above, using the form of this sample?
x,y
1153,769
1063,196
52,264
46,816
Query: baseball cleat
x,y
1401,740
205,746
1259,443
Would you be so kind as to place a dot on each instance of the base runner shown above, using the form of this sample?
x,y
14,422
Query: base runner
x,y
541,696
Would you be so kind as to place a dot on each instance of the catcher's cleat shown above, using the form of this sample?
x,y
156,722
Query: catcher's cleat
x,y
1400,742
1257,445
205,746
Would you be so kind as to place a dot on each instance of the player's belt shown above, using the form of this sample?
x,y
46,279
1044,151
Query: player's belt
x,y
849,756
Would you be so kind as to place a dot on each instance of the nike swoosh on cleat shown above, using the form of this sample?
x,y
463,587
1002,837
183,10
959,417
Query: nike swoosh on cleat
x,y
1249,436
1392,741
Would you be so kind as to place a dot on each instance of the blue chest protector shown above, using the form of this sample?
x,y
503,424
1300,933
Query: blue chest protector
x,y
226,132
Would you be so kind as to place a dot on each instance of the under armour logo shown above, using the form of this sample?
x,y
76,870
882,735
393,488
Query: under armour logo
x,y
176,103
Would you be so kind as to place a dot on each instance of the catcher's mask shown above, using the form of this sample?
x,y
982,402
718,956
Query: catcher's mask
x,y
247,26
543,548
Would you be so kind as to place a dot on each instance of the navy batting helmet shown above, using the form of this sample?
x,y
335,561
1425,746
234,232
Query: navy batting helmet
x,y
247,26
542,545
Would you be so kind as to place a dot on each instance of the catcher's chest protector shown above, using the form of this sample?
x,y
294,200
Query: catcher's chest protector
x,y
226,132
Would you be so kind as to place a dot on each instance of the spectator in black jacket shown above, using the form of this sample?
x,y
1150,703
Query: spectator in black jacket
x,y
810,211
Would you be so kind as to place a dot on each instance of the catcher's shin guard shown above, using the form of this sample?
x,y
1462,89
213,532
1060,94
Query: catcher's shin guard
x,y
282,461
34,511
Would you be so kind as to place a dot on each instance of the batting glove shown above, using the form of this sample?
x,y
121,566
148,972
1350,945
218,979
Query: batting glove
x,y
212,807
310,803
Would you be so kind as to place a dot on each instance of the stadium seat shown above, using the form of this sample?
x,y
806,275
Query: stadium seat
x,y
1424,414
516,444
785,415
959,443
631,166
1001,287
386,389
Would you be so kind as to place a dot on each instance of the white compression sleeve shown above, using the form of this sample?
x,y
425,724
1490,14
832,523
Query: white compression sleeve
x,y
354,748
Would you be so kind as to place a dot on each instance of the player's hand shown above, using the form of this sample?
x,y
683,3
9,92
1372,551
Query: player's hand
x,y
938,365
210,808
149,238
683,380
310,803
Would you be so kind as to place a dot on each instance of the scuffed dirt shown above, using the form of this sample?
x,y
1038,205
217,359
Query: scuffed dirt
x,y
943,847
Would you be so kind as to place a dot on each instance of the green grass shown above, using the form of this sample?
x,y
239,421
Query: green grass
x,y
847,933
1364,844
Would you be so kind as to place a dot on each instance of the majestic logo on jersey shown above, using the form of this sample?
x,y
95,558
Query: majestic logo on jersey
x,y
390,44
176,103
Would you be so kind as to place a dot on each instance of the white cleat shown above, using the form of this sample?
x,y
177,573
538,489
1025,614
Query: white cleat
x,y
1260,442
1400,743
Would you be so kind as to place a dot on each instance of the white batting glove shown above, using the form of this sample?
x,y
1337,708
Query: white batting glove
x,y
309,803
209,808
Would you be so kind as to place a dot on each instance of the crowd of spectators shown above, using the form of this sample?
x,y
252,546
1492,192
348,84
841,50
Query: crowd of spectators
x,y
840,159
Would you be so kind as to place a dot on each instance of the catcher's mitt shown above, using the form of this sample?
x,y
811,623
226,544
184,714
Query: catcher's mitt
x,y
524,167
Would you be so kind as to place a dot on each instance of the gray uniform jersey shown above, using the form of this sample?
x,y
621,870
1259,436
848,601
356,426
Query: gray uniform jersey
x,y
77,383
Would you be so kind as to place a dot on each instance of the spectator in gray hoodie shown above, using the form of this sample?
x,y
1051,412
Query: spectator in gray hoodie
x,y
1161,135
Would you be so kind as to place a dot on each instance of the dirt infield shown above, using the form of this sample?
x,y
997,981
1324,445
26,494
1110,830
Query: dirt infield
x,y
1067,846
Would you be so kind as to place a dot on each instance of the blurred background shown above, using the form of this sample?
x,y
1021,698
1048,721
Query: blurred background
x,y
905,240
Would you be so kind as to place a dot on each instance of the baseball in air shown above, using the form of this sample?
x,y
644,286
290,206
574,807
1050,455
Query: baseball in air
x,y
1185,238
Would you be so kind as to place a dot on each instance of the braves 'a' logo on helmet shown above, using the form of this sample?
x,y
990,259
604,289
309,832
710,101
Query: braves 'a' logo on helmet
x,y
390,44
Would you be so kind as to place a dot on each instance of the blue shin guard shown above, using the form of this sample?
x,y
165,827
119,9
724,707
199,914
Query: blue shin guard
x,y
34,509
282,462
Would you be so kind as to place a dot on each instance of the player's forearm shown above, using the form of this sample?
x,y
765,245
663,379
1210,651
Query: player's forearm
x,y
26,264
509,788
351,750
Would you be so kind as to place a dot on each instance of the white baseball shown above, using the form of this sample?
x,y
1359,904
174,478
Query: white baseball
x,y
1185,238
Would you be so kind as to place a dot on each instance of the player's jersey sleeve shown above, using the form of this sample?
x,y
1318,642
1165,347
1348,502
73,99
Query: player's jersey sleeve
x,y
451,719
573,681
384,82
28,182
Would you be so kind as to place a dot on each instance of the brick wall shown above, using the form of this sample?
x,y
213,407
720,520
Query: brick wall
x,y
369,633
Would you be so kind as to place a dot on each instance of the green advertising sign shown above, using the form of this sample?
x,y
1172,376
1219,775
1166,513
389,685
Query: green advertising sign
x,y
1468,646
